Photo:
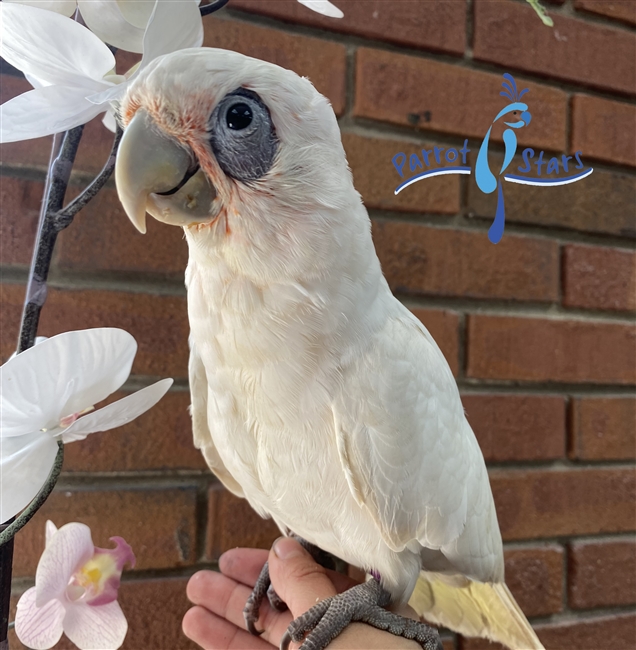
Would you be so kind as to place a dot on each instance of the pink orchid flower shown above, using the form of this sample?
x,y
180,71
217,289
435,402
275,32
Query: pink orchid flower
x,y
75,592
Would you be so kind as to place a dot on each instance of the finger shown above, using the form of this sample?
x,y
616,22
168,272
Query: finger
x,y
243,564
226,598
212,632
298,580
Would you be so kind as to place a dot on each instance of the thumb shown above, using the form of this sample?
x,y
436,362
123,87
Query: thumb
x,y
296,577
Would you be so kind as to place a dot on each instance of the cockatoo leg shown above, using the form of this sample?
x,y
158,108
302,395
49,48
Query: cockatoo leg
x,y
363,603
264,587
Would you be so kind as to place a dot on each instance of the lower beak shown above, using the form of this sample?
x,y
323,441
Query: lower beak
x,y
155,174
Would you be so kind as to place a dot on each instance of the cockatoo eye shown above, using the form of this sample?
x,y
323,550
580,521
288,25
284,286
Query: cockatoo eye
x,y
242,135
239,116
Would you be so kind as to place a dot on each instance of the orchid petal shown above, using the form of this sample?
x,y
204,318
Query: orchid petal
x,y
53,48
70,548
64,7
25,463
173,26
110,562
49,531
38,628
35,82
323,7
108,95
45,111
106,20
136,12
63,375
118,413
102,627
109,120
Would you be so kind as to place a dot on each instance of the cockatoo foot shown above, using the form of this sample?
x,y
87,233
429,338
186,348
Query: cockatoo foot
x,y
252,607
264,587
363,603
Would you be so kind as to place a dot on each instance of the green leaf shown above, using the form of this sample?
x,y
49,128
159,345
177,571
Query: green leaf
x,y
545,19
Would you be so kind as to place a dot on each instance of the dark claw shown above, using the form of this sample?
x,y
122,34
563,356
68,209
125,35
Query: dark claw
x,y
285,641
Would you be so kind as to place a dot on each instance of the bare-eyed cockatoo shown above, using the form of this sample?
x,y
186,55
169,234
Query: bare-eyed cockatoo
x,y
316,395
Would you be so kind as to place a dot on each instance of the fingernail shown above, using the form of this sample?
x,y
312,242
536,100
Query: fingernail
x,y
286,548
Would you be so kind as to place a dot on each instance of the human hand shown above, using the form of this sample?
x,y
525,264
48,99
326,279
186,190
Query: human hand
x,y
216,622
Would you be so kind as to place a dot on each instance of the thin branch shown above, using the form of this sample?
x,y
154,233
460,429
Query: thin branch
x,y
27,514
65,216
213,6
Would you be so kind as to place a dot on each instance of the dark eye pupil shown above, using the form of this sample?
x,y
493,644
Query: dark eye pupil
x,y
239,116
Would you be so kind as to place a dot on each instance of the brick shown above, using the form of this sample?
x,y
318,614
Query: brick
x,y
444,328
603,428
549,503
140,601
160,439
604,129
158,323
20,200
602,574
617,632
517,427
431,25
539,349
623,10
375,177
599,278
232,523
92,153
323,62
511,35
419,260
603,202
101,238
412,91
159,524
535,578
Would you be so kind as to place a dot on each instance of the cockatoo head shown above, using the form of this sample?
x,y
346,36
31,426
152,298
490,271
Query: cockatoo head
x,y
243,154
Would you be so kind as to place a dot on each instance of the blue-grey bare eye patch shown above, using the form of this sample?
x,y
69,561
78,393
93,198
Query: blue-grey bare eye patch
x,y
242,135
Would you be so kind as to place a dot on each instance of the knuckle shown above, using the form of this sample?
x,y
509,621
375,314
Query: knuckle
x,y
305,571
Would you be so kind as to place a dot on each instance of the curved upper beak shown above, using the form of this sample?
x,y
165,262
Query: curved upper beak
x,y
155,174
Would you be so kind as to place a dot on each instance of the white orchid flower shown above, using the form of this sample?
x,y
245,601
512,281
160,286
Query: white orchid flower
x,y
47,394
75,592
323,7
72,70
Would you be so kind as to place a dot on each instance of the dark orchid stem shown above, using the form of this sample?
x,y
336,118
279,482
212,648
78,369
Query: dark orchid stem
x,y
213,6
59,175
65,216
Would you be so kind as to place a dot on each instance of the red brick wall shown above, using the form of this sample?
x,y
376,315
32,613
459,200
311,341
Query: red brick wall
x,y
538,330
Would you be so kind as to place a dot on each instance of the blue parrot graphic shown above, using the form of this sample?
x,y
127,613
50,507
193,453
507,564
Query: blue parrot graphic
x,y
486,180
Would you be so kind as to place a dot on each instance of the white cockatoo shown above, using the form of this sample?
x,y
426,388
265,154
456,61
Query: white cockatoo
x,y
316,395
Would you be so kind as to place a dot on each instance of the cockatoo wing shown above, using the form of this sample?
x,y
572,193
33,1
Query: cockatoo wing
x,y
409,454
200,426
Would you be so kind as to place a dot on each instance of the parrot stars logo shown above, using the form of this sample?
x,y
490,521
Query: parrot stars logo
x,y
514,116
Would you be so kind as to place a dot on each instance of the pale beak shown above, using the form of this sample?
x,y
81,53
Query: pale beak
x,y
155,174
